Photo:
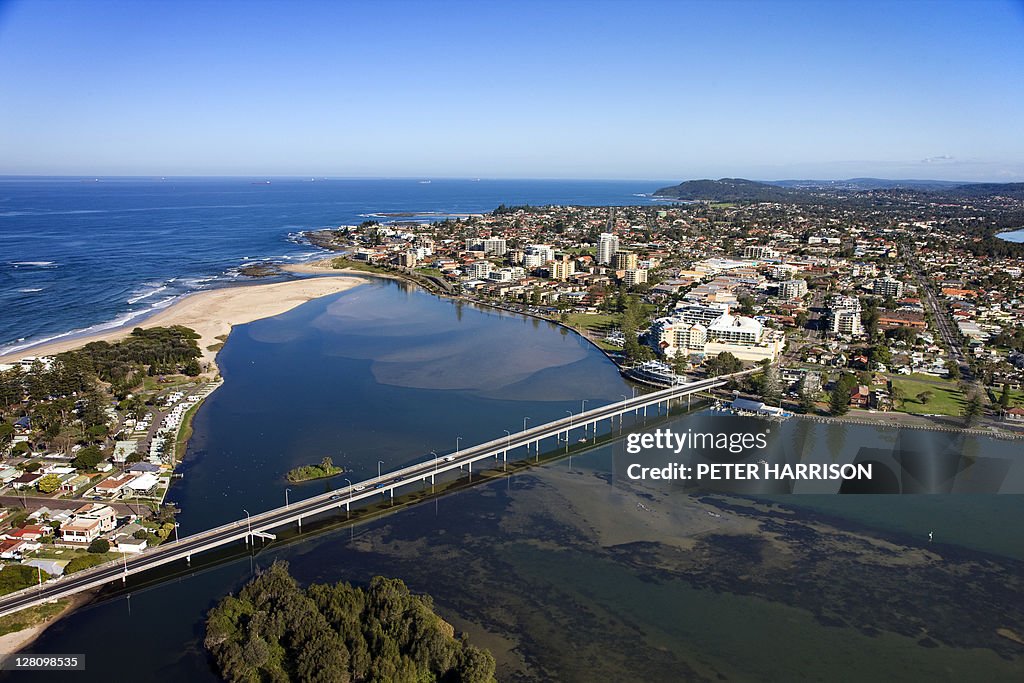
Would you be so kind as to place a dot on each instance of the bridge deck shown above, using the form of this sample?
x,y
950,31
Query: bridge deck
x,y
386,483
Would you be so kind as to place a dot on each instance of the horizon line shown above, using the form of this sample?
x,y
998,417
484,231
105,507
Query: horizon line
x,y
420,178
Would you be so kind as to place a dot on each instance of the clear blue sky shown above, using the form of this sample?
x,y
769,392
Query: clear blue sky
x,y
667,90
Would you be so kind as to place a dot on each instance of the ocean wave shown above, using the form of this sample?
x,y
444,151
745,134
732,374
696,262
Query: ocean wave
x,y
32,264
72,212
31,290
145,295
120,321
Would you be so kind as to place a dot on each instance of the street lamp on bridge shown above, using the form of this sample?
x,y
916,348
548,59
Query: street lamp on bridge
x,y
248,526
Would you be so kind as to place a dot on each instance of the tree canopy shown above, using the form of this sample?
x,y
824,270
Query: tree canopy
x,y
276,631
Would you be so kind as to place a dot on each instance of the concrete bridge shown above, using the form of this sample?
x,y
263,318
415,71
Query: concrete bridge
x,y
259,525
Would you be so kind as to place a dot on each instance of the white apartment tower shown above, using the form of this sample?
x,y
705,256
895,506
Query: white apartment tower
x,y
607,245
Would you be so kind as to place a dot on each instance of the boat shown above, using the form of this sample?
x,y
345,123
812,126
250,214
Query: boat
x,y
655,372
749,408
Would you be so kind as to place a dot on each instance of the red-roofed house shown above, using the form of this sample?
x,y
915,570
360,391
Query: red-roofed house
x,y
112,486
860,397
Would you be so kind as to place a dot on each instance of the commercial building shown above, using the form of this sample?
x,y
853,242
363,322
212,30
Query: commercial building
x,y
705,314
745,338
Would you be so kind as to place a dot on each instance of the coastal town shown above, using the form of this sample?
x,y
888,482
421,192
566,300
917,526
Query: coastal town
x,y
847,313
88,461
900,308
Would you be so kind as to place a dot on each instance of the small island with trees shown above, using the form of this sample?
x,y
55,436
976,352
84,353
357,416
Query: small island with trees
x,y
325,469
274,630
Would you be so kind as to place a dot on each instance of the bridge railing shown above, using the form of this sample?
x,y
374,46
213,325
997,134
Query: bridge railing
x,y
253,522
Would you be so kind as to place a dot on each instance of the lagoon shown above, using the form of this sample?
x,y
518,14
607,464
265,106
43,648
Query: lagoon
x,y
565,572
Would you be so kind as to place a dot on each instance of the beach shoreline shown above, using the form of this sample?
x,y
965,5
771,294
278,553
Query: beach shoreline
x,y
212,314
17,641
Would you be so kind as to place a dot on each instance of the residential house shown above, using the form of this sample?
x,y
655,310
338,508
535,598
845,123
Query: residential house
x,y
112,487
89,522
1014,415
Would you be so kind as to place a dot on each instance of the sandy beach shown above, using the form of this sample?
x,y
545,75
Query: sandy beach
x,y
213,313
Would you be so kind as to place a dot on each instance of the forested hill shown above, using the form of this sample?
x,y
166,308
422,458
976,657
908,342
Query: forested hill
x,y
729,190
807,191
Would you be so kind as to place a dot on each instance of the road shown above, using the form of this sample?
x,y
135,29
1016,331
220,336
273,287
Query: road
x,y
947,329
254,525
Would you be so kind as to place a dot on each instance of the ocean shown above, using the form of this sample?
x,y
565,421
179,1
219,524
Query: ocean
x,y
82,255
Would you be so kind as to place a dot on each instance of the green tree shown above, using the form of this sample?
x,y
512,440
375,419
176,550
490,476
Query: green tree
x,y
723,364
680,364
839,398
973,409
769,385
6,433
838,402
88,458
898,396
806,403
100,545
49,483
953,368
14,577
1004,399
925,396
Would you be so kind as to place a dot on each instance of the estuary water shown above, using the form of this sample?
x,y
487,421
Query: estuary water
x,y
87,254
565,571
